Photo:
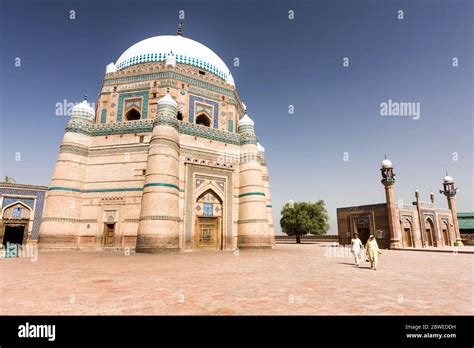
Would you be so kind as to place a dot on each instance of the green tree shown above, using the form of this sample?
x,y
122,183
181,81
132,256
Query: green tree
x,y
298,218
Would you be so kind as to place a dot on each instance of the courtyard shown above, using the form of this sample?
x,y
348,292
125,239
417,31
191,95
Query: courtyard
x,y
307,279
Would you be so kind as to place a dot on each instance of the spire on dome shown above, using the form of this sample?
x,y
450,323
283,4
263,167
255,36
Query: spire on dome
x,y
85,97
179,32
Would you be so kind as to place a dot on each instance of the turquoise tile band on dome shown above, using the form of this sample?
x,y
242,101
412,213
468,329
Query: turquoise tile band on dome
x,y
174,49
180,58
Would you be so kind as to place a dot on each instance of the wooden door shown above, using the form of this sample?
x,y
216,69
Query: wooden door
x,y
407,237
445,236
207,236
429,239
109,235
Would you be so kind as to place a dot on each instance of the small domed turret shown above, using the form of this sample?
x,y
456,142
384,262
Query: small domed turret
x,y
167,100
245,121
260,147
83,111
386,163
448,180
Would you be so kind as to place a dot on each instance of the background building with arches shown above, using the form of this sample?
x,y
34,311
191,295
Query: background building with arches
x,y
21,212
398,225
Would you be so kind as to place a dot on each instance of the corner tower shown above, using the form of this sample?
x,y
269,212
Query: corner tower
x,y
253,224
266,189
158,227
61,222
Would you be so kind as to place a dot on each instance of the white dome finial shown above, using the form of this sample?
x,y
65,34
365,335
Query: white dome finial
x,y
447,179
167,100
83,111
245,121
386,163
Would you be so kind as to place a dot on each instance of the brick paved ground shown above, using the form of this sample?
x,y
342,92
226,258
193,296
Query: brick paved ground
x,y
292,279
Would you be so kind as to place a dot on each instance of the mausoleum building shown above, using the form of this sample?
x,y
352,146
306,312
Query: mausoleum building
x,y
168,159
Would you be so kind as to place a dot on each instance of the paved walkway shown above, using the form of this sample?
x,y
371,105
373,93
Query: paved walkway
x,y
291,279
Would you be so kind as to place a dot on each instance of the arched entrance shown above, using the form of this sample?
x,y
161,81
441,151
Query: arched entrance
x,y
15,222
208,227
407,240
363,229
429,232
445,233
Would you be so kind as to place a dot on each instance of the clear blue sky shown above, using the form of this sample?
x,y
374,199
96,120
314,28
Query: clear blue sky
x,y
282,62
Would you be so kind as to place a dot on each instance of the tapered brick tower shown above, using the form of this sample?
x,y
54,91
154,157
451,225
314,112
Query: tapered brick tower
x,y
62,226
158,228
253,230
266,187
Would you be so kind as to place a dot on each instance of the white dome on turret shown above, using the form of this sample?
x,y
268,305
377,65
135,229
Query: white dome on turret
x,y
185,51
245,121
386,163
260,147
83,110
448,180
167,100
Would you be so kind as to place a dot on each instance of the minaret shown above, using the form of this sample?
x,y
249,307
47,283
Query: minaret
x,y
62,213
388,180
158,229
450,191
253,225
266,190
420,217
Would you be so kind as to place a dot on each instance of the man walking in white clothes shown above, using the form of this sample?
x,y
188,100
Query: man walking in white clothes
x,y
356,248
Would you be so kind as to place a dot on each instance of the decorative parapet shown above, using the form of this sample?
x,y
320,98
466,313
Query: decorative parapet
x,y
127,127
169,75
146,126
209,133
248,138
